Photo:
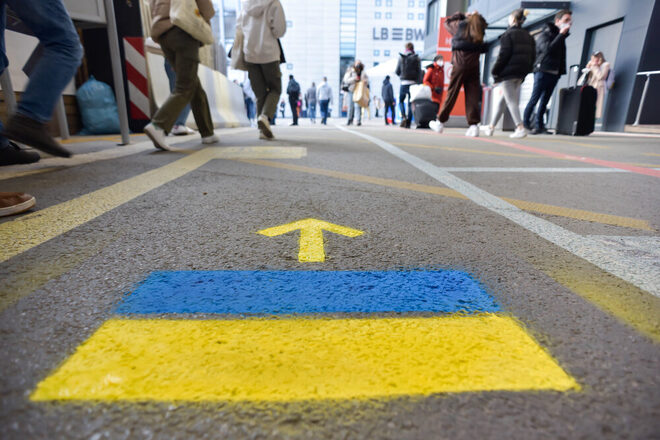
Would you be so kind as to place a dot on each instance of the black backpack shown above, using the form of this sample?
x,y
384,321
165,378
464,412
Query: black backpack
x,y
295,87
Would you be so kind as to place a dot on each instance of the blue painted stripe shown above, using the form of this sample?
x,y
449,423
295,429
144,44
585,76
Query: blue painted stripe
x,y
305,292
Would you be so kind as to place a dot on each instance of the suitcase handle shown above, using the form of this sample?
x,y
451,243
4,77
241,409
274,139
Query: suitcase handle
x,y
577,75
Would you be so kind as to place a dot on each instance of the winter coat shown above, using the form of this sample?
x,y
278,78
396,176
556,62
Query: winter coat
x,y
435,79
293,89
517,55
551,51
464,53
160,15
409,67
351,78
387,92
262,23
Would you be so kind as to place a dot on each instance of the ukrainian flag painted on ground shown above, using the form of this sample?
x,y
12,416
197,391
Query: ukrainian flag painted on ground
x,y
304,335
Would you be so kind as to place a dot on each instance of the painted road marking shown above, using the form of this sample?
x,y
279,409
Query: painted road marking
x,y
609,259
465,150
303,359
304,292
310,356
31,230
311,247
578,214
530,170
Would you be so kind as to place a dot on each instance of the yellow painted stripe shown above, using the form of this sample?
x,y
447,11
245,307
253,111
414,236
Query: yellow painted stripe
x,y
303,359
31,230
578,214
466,150
79,139
652,154
580,144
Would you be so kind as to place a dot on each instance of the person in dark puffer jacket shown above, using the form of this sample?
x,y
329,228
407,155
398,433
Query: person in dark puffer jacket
x,y
549,66
467,45
515,61
409,70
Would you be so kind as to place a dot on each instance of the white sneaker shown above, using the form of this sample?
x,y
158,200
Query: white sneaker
x,y
488,131
519,133
157,136
436,126
213,139
473,131
264,126
181,130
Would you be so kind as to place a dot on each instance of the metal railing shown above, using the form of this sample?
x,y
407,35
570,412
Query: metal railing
x,y
646,88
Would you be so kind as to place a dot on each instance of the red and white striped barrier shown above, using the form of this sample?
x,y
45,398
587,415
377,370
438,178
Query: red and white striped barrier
x,y
136,74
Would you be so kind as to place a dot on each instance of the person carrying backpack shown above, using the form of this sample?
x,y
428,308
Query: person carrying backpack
x,y
409,70
388,100
293,90
515,61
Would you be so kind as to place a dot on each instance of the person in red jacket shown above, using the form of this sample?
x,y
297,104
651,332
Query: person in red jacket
x,y
435,79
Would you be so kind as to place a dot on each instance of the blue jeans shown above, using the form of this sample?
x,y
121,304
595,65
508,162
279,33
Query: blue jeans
x,y
51,24
404,91
324,110
544,85
311,109
171,77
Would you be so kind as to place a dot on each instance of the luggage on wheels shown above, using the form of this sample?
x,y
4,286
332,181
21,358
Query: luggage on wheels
x,y
424,111
577,109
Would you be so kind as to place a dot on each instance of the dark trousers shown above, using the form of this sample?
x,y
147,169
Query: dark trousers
x,y
182,52
469,79
404,91
389,107
293,102
324,110
544,85
266,81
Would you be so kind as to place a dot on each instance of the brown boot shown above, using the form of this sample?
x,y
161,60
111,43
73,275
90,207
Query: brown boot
x,y
35,134
14,203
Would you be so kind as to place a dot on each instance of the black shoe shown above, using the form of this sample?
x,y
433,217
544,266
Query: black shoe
x,y
35,134
359,123
403,123
350,122
540,131
13,155
407,123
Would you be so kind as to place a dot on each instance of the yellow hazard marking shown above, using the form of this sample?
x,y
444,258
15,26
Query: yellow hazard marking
x,y
31,230
79,139
311,245
303,359
625,222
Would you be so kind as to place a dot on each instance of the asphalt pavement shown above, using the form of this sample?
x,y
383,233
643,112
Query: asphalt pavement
x,y
338,282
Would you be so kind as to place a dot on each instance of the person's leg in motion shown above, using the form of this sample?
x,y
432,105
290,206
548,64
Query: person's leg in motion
x,y
269,79
548,86
455,83
51,24
404,91
293,103
537,89
473,94
498,108
180,127
512,97
351,111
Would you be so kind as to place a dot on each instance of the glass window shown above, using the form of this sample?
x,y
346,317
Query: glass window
x,y
289,66
378,15
386,53
411,16
388,15
289,24
422,4
420,16
379,2
388,2
411,3
376,53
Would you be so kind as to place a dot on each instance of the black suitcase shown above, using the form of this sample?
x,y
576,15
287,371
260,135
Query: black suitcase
x,y
577,109
424,111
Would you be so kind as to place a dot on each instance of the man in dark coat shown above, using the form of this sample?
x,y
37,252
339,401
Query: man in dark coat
x,y
549,66
409,69
293,90
388,99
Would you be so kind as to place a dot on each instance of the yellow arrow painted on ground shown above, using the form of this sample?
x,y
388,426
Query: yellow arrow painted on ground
x,y
311,237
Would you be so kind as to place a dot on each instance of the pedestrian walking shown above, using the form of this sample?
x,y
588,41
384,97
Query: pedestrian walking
x,y
549,66
179,128
378,104
51,24
466,47
261,23
599,72
250,100
434,78
409,70
387,93
293,90
354,75
514,62
182,52
310,101
324,96
282,108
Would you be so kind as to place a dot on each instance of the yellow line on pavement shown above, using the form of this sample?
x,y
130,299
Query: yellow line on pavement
x,y
651,154
581,144
578,214
79,139
465,150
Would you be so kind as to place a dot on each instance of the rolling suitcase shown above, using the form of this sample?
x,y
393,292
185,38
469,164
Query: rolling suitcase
x,y
577,108
424,111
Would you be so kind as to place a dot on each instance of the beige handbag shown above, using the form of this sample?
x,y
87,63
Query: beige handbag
x,y
185,14
236,52
361,94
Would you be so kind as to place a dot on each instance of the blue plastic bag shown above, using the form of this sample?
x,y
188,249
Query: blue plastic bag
x,y
98,108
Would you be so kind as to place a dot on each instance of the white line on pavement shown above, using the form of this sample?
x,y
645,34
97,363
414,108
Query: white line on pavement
x,y
606,257
530,170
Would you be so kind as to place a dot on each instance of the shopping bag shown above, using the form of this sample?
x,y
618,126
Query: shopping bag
x,y
236,52
361,94
185,15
